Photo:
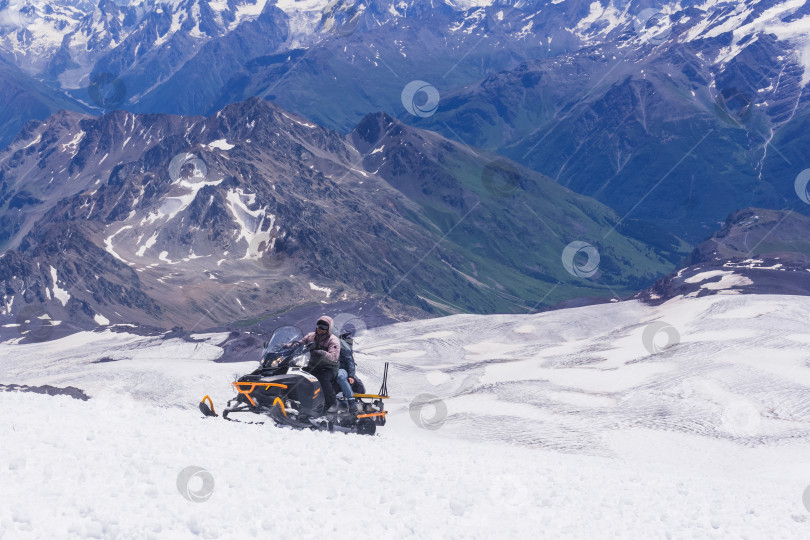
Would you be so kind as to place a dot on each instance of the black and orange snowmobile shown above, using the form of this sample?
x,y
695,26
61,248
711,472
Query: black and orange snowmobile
x,y
283,390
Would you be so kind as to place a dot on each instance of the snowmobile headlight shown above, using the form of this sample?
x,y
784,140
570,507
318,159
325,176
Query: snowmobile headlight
x,y
300,360
276,362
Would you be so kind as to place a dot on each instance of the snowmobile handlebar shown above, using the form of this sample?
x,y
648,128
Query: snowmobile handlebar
x,y
287,352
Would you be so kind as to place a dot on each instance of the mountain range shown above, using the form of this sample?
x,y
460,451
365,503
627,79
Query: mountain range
x,y
438,157
704,102
186,221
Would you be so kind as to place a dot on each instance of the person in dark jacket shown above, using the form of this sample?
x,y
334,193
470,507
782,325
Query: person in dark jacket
x,y
324,359
346,375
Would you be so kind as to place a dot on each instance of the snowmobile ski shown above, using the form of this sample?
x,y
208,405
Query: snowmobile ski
x,y
205,408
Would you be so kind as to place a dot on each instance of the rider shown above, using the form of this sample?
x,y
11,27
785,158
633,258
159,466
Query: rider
x,y
324,357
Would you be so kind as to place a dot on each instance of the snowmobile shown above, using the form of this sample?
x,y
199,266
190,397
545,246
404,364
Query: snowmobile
x,y
284,391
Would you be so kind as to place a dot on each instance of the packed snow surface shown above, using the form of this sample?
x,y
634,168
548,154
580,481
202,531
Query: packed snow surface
x,y
687,420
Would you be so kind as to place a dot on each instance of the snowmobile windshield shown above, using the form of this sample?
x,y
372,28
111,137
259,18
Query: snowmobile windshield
x,y
283,336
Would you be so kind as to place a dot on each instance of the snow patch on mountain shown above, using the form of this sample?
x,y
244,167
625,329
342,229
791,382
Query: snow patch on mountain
x,y
325,290
304,16
221,144
250,222
60,294
610,15
108,243
745,32
727,280
8,303
149,243
171,206
73,144
246,11
35,141
464,5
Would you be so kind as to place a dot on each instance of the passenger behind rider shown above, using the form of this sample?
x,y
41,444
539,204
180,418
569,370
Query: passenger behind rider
x,y
346,376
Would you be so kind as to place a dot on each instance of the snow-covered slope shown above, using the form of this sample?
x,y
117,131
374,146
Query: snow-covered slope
x,y
622,420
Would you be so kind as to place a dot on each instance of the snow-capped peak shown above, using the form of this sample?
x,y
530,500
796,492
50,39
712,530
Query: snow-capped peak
x,y
35,34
